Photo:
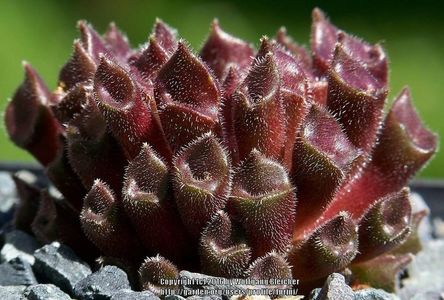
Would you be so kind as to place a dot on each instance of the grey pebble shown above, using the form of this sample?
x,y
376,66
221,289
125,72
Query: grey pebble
x,y
129,294
8,197
431,295
374,294
59,265
438,227
426,272
174,297
102,284
314,294
18,244
11,292
16,272
210,297
335,288
210,282
44,292
425,228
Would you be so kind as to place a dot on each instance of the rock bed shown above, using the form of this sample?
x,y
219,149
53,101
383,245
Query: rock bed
x,y
29,270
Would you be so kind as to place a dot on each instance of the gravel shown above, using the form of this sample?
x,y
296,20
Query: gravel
x,y
59,265
426,272
16,272
8,197
374,294
210,282
102,284
335,288
18,244
129,294
62,275
212,297
11,292
45,292
438,225
174,297
425,228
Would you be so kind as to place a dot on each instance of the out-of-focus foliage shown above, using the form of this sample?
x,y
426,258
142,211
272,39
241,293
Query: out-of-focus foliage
x,y
411,32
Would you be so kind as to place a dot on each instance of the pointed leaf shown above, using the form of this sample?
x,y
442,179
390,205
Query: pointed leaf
x,y
323,40
352,93
165,35
373,56
381,272
69,230
263,201
148,204
104,225
201,179
292,75
154,271
257,111
221,252
44,225
270,266
126,109
29,120
221,51
79,68
404,146
386,225
294,95
322,157
92,42
63,177
90,144
413,244
118,42
300,53
29,198
295,109
328,249
188,98
324,37
151,60
72,103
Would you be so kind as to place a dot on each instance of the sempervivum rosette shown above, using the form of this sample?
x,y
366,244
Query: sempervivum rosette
x,y
233,162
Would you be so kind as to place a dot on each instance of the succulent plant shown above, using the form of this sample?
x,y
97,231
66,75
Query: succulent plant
x,y
233,162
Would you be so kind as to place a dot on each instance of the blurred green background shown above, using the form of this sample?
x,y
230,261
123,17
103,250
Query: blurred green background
x,y
42,32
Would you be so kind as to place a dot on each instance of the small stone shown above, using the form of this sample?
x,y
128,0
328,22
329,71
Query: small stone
x,y
374,294
18,244
11,292
45,292
8,197
174,297
16,272
250,297
129,294
426,272
438,228
429,296
59,265
205,297
335,288
314,294
102,284
425,228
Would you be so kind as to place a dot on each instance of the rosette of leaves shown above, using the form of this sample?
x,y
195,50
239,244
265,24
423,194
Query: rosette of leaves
x,y
235,162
